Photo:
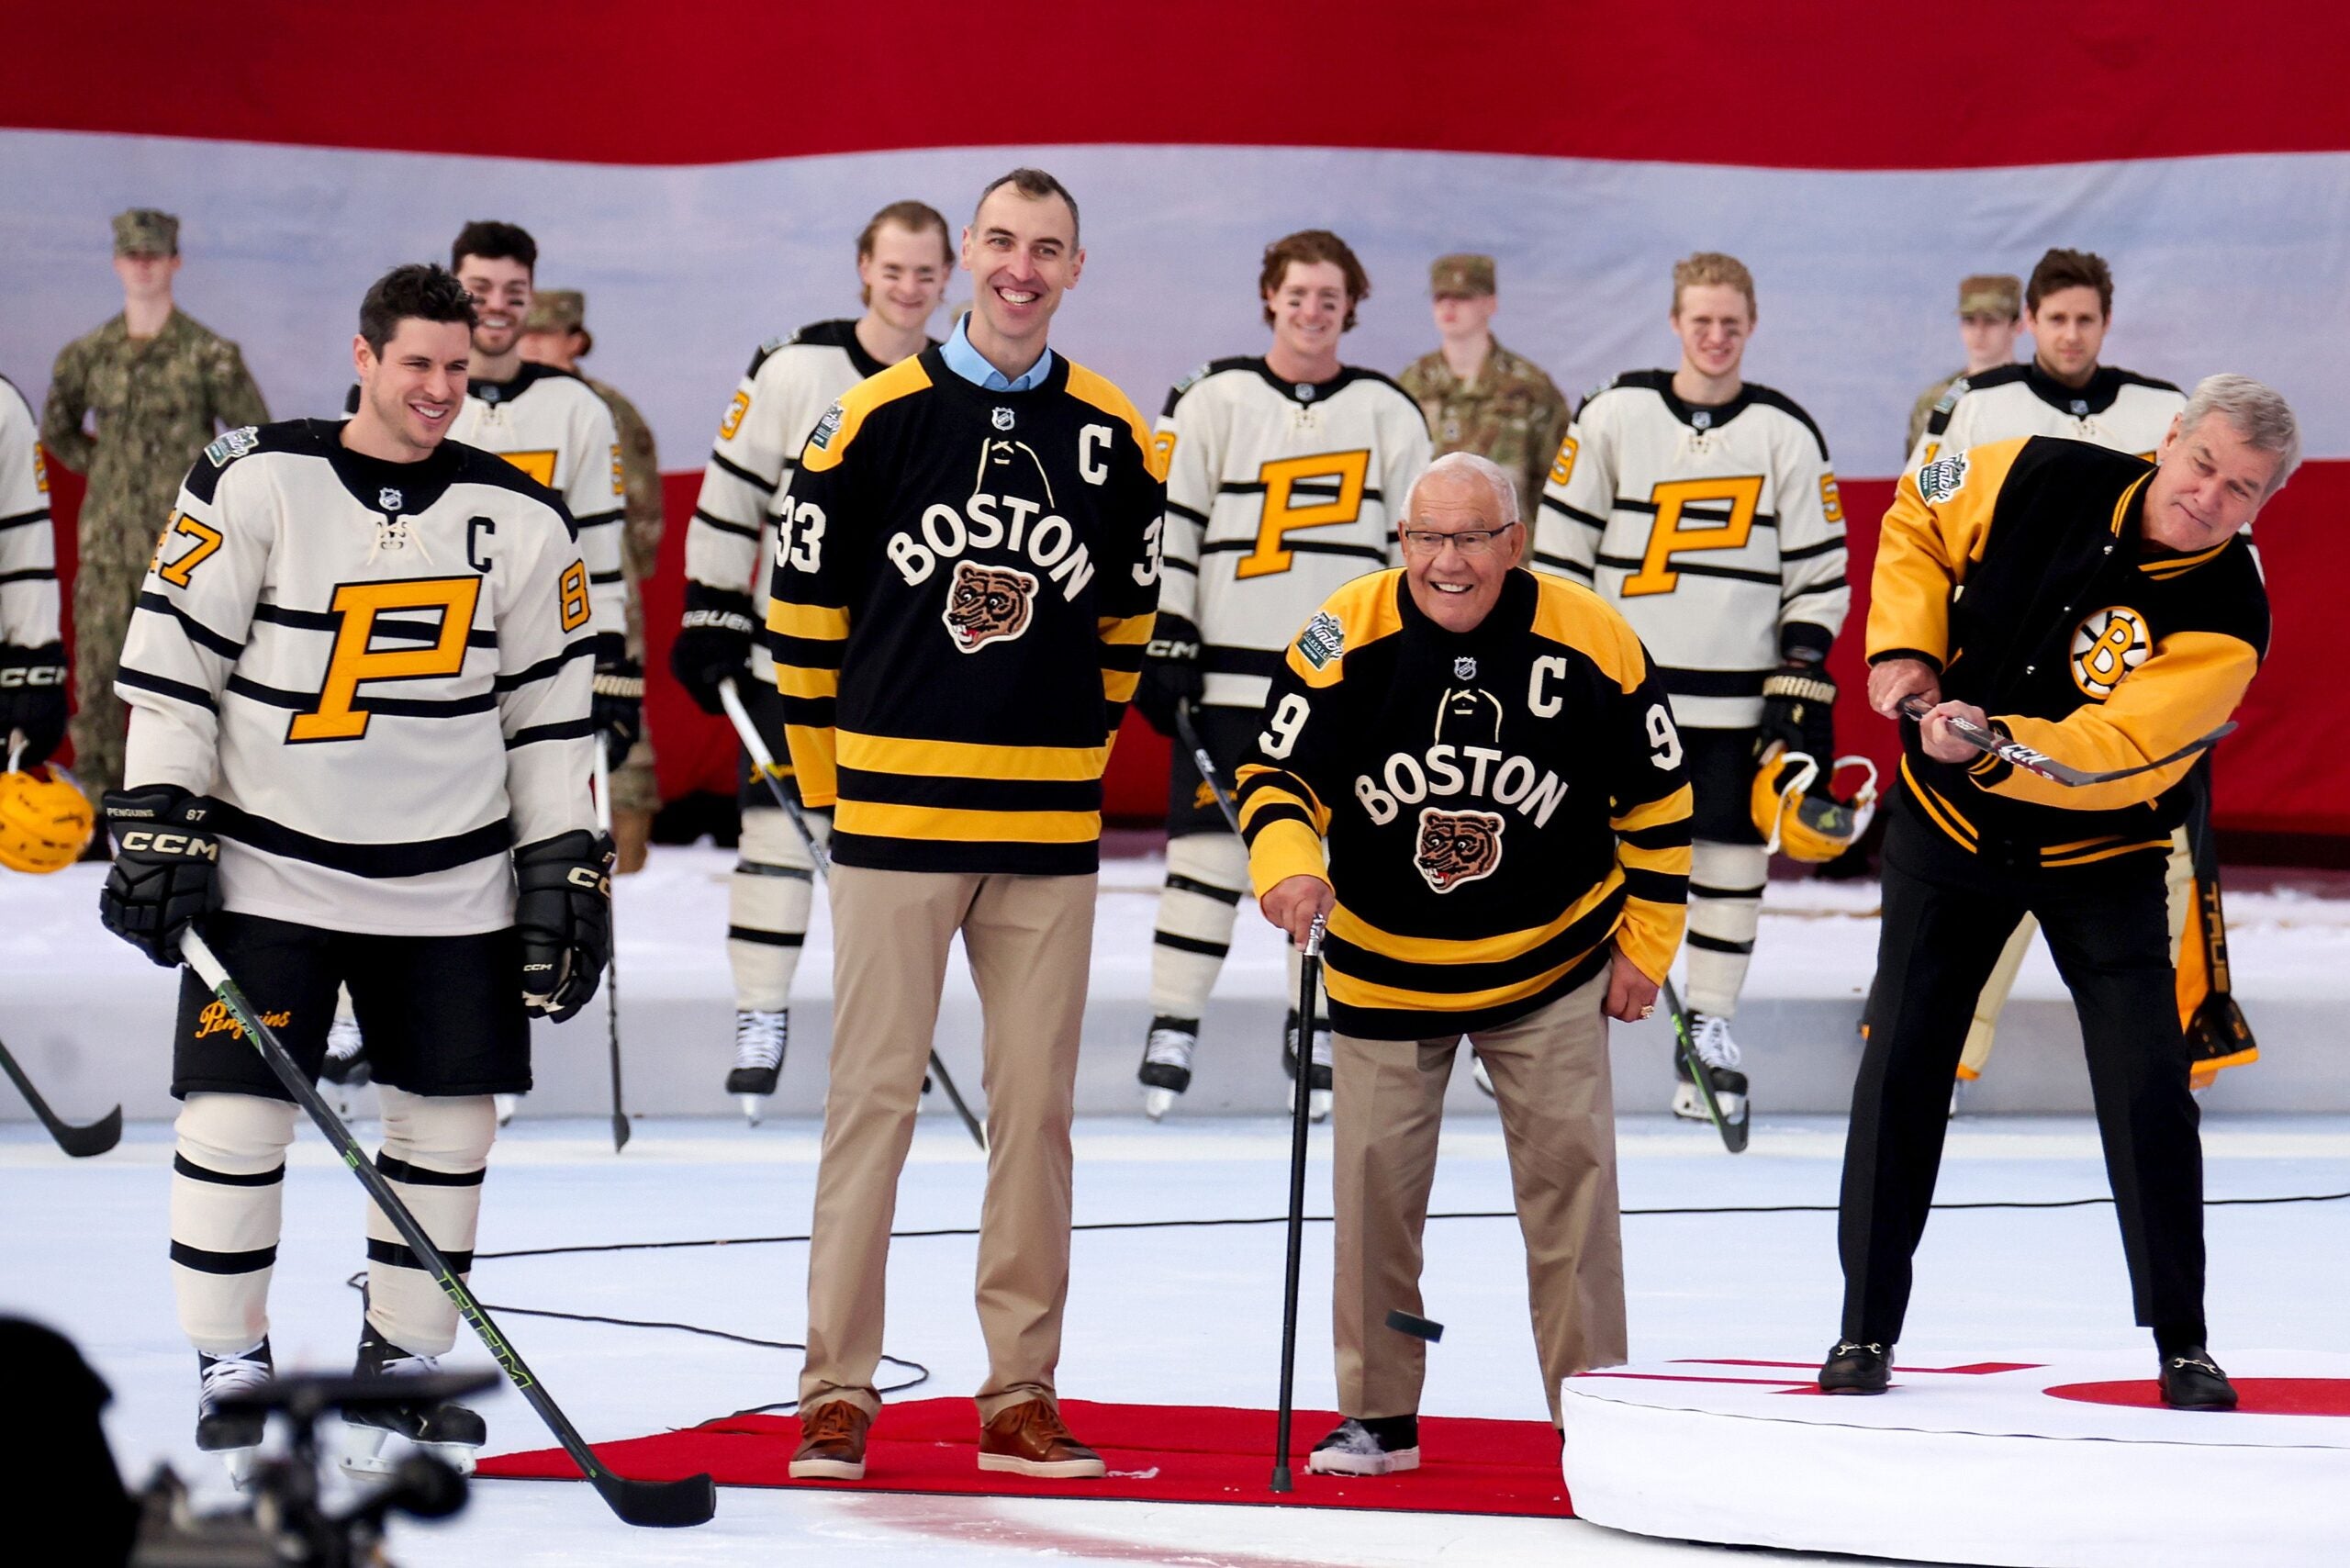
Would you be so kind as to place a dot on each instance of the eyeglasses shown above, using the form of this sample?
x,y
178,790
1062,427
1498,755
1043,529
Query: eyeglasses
x,y
1468,540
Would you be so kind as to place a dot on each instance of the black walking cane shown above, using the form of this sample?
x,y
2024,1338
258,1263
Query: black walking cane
x,y
1309,974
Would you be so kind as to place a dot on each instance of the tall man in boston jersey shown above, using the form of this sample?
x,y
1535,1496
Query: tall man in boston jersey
x,y
359,756
1702,507
903,258
1283,475
2064,391
966,567
2111,614
32,656
1491,760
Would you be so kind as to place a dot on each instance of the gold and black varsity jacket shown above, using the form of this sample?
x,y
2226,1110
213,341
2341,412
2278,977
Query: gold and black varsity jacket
x,y
2020,569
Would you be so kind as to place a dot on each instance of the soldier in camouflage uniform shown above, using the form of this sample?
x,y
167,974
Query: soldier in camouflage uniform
x,y
1990,311
555,334
1478,396
159,385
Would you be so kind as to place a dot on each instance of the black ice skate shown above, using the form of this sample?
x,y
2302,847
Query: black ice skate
x,y
1318,1105
1166,1070
1708,1086
236,1439
445,1430
1854,1368
1378,1447
2194,1381
759,1041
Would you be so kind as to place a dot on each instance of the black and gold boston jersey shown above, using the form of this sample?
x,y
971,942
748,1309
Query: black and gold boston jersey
x,y
2021,571
1277,492
1497,804
378,672
27,546
2119,410
1718,532
964,584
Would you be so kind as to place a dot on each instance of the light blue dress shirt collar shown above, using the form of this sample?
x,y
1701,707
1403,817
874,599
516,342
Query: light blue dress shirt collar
x,y
972,366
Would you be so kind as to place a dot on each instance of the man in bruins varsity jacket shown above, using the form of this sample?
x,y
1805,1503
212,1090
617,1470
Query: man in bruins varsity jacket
x,y
1495,770
2104,612
966,573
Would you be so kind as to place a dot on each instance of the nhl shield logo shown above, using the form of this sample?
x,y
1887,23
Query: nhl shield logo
x,y
1465,668
1002,418
390,499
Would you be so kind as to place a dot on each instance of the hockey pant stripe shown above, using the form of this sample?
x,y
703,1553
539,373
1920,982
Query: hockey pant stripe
x,y
1726,884
228,1194
435,1151
1207,875
768,901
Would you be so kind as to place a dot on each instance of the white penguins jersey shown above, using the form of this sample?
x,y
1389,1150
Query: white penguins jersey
x,y
1277,493
1717,532
28,547
551,425
2117,409
378,671
791,382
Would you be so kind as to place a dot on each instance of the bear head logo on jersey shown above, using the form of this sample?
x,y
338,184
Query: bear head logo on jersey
x,y
987,604
1455,847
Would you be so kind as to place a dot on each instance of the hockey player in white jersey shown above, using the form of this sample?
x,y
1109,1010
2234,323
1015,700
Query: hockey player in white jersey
x,y
1284,476
32,659
359,754
2064,391
1702,507
2068,305
903,261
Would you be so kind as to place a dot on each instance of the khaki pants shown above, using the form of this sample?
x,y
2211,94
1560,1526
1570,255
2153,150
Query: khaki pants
x,y
1029,940
1550,1073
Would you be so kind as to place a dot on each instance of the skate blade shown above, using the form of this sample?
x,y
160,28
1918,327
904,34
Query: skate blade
x,y
754,1106
370,1451
1478,1076
506,1103
1317,1103
240,1463
1157,1103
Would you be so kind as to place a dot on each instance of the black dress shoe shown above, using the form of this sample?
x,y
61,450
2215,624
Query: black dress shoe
x,y
1855,1368
2194,1381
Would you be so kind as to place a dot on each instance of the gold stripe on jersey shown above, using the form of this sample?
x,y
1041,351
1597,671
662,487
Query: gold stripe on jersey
x,y
799,680
825,447
809,622
1356,992
1574,615
2180,565
1659,813
1366,611
875,819
1348,926
969,759
1101,392
1945,816
1928,542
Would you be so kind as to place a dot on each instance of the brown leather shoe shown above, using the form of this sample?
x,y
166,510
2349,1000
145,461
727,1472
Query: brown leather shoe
x,y
1029,1439
831,1443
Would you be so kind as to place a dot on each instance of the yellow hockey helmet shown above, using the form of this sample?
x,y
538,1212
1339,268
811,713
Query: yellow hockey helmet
x,y
1799,824
45,822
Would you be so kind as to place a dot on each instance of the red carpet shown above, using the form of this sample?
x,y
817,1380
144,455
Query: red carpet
x,y
1156,1453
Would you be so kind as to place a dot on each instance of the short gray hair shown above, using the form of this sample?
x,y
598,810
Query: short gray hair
x,y
1496,479
2259,414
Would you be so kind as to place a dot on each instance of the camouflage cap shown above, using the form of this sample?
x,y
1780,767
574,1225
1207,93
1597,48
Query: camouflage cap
x,y
556,311
144,231
1460,275
1991,294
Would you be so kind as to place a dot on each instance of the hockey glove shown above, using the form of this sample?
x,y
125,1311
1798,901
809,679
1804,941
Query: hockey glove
x,y
166,867
617,707
32,701
1170,673
713,644
563,914
1799,710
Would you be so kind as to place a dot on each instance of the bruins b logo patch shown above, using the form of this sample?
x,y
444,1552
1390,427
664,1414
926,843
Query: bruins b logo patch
x,y
988,604
1457,846
2108,646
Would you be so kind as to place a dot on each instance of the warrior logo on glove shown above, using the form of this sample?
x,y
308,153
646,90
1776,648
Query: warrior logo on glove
x,y
987,604
1457,846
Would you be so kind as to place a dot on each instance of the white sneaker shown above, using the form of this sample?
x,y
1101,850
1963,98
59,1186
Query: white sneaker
x,y
1368,1448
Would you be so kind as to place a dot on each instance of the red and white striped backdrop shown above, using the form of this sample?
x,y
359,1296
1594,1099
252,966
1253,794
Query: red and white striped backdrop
x,y
702,177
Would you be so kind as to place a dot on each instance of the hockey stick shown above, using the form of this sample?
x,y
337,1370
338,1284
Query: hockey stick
x,y
658,1503
80,1143
1309,971
2048,767
2219,1029
612,960
1733,1133
763,764
1204,765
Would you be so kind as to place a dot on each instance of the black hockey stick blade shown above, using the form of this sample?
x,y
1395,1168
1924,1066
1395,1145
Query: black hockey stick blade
x,y
955,1097
79,1143
1733,1132
691,1501
2048,767
1204,765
